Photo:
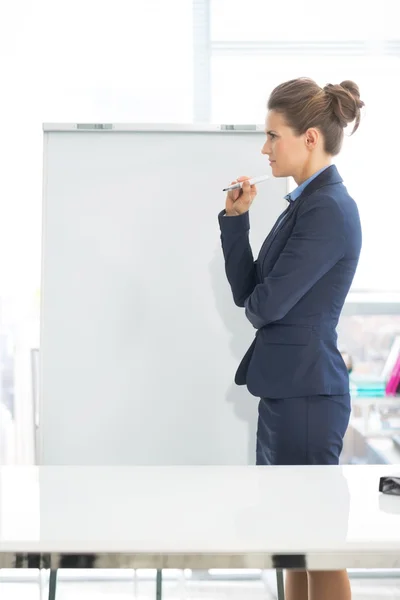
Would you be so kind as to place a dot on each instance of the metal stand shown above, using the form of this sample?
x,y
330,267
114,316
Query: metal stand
x,y
159,585
280,584
53,584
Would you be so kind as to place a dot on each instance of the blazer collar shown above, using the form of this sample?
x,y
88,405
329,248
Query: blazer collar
x,y
328,177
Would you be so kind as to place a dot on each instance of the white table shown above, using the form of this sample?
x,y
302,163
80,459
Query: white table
x,y
199,517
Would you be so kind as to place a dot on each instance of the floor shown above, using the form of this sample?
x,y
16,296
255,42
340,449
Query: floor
x,y
181,589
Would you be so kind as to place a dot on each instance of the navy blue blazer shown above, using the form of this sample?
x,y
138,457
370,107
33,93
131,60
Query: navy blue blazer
x,y
294,292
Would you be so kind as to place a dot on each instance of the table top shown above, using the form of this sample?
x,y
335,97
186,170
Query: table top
x,y
201,517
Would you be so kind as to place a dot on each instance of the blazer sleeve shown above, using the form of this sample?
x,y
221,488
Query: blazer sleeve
x,y
240,268
316,244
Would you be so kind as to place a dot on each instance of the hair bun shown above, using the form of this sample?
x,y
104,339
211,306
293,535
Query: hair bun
x,y
354,91
345,102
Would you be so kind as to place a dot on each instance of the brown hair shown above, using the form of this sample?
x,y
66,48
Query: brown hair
x,y
305,104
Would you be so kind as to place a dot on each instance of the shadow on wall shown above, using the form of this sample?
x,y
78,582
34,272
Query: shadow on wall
x,y
241,336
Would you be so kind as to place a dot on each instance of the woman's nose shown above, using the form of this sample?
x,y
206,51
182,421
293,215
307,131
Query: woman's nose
x,y
265,149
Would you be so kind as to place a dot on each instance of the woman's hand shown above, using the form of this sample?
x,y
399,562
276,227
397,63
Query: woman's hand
x,y
239,201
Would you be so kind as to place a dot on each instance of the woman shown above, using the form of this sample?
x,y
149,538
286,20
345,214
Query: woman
x,y
294,292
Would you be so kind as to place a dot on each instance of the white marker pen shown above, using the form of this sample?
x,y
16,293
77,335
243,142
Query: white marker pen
x,y
252,181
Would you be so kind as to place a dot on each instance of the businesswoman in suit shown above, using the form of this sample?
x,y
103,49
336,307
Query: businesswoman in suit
x,y
293,293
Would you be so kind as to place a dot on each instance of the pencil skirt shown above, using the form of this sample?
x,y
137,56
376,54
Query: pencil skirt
x,y
307,430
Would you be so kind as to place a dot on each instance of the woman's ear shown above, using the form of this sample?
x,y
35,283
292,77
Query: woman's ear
x,y
312,137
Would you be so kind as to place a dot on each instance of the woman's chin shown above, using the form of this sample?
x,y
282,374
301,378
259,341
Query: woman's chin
x,y
275,170
278,172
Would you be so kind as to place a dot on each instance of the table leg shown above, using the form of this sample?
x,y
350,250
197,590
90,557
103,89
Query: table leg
x,y
53,584
159,585
279,584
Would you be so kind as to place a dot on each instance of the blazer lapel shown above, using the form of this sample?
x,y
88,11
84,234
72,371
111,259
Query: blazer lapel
x,y
276,226
285,216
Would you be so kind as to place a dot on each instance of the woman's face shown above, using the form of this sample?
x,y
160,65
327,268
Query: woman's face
x,y
287,152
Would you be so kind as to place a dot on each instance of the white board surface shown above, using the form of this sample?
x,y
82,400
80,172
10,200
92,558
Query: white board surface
x,y
140,338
